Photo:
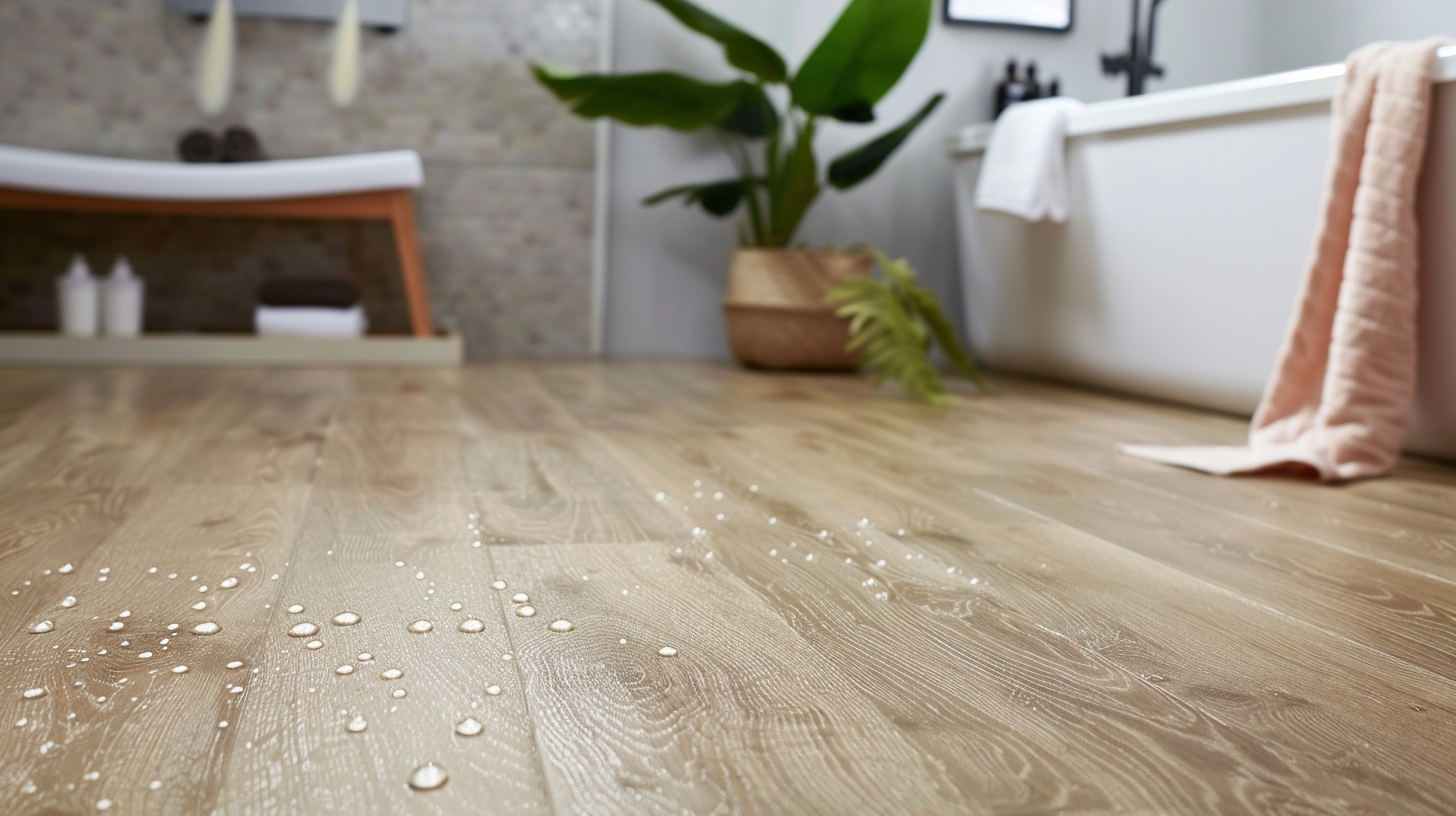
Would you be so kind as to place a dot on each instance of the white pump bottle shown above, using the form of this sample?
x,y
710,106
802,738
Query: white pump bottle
x,y
122,301
77,298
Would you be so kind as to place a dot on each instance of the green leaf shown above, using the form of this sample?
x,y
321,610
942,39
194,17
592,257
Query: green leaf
x,y
719,198
796,188
661,98
743,50
861,163
862,56
754,116
893,320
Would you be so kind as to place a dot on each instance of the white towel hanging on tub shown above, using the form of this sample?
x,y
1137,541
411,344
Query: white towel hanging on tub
x,y
1024,172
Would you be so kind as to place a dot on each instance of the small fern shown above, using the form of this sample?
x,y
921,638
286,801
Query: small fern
x,y
893,321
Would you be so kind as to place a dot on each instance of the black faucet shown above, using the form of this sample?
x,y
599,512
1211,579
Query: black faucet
x,y
1137,62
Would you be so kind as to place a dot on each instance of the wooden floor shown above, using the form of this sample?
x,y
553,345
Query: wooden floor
x,y
877,608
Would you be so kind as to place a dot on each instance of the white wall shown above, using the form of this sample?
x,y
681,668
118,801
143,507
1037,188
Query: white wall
x,y
666,266
1296,33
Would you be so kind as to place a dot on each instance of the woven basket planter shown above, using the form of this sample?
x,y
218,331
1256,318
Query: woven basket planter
x,y
775,308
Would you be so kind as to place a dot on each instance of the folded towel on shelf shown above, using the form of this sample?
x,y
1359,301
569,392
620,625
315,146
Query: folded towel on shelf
x,y
1024,171
1340,396
310,321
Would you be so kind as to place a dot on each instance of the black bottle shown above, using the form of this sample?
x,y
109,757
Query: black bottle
x,y
1010,90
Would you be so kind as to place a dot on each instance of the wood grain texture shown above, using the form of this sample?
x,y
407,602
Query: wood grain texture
x,y
877,607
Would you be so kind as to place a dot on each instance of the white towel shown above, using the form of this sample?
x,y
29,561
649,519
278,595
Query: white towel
x,y
1024,172
310,321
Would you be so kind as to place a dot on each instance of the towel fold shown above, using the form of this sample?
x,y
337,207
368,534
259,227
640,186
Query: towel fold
x,y
1340,397
1024,172
310,321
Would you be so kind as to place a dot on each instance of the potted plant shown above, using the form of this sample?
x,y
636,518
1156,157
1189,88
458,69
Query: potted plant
x,y
776,312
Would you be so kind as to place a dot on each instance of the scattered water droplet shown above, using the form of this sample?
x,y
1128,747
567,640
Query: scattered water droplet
x,y
346,619
67,568
667,651
20,723
498,585
179,669
525,611
428,777
398,694
228,583
344,669
236,664
144,655
303,630
469,727
456,607
561,626
155,784
68,601
471,626
313,645
295,609
493,691
357,724
200,605
103,804
33,693
420,627
42,627
391,674
365,657
520,597
208,628
420,576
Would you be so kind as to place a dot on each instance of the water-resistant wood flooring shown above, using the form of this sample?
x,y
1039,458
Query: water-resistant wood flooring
x,y
875,607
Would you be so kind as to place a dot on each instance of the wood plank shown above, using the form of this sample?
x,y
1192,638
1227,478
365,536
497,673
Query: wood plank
x,y
387,536
979,570
745,718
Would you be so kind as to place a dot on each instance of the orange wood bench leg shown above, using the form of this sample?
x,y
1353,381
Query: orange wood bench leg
x,y
411,264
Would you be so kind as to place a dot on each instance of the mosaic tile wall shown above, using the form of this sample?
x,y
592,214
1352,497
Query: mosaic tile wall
x,y
505,213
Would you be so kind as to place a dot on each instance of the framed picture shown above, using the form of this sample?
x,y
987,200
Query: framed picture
x,y
1045,15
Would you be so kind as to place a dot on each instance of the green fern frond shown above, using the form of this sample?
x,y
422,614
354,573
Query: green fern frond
x,y
893,322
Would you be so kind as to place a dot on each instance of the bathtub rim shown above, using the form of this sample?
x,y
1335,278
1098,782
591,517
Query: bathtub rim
x,y
1290,89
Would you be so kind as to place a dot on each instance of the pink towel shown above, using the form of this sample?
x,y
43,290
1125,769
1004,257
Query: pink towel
x,y
1340,397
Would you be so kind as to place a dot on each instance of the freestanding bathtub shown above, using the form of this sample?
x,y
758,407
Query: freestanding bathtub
x,y
1192,218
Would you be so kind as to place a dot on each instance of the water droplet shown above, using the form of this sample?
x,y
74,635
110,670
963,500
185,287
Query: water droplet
x,y
391,674
33,693
200,605
116,626
68,601
660,497
525,611
398,694
471,626
428,777
42,627
344,669
498,585
520,597
179,669
208,628
420,627
346,619
303,630
493,691
20,723
295,609
313,645
456,607
420,576
667,651
222,724
144,655
103,804
228,583
236,664
171,627
365,657
469,727
67,568
357,724
561,626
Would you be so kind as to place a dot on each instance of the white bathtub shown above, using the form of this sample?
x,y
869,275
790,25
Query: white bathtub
x,y
1192,218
